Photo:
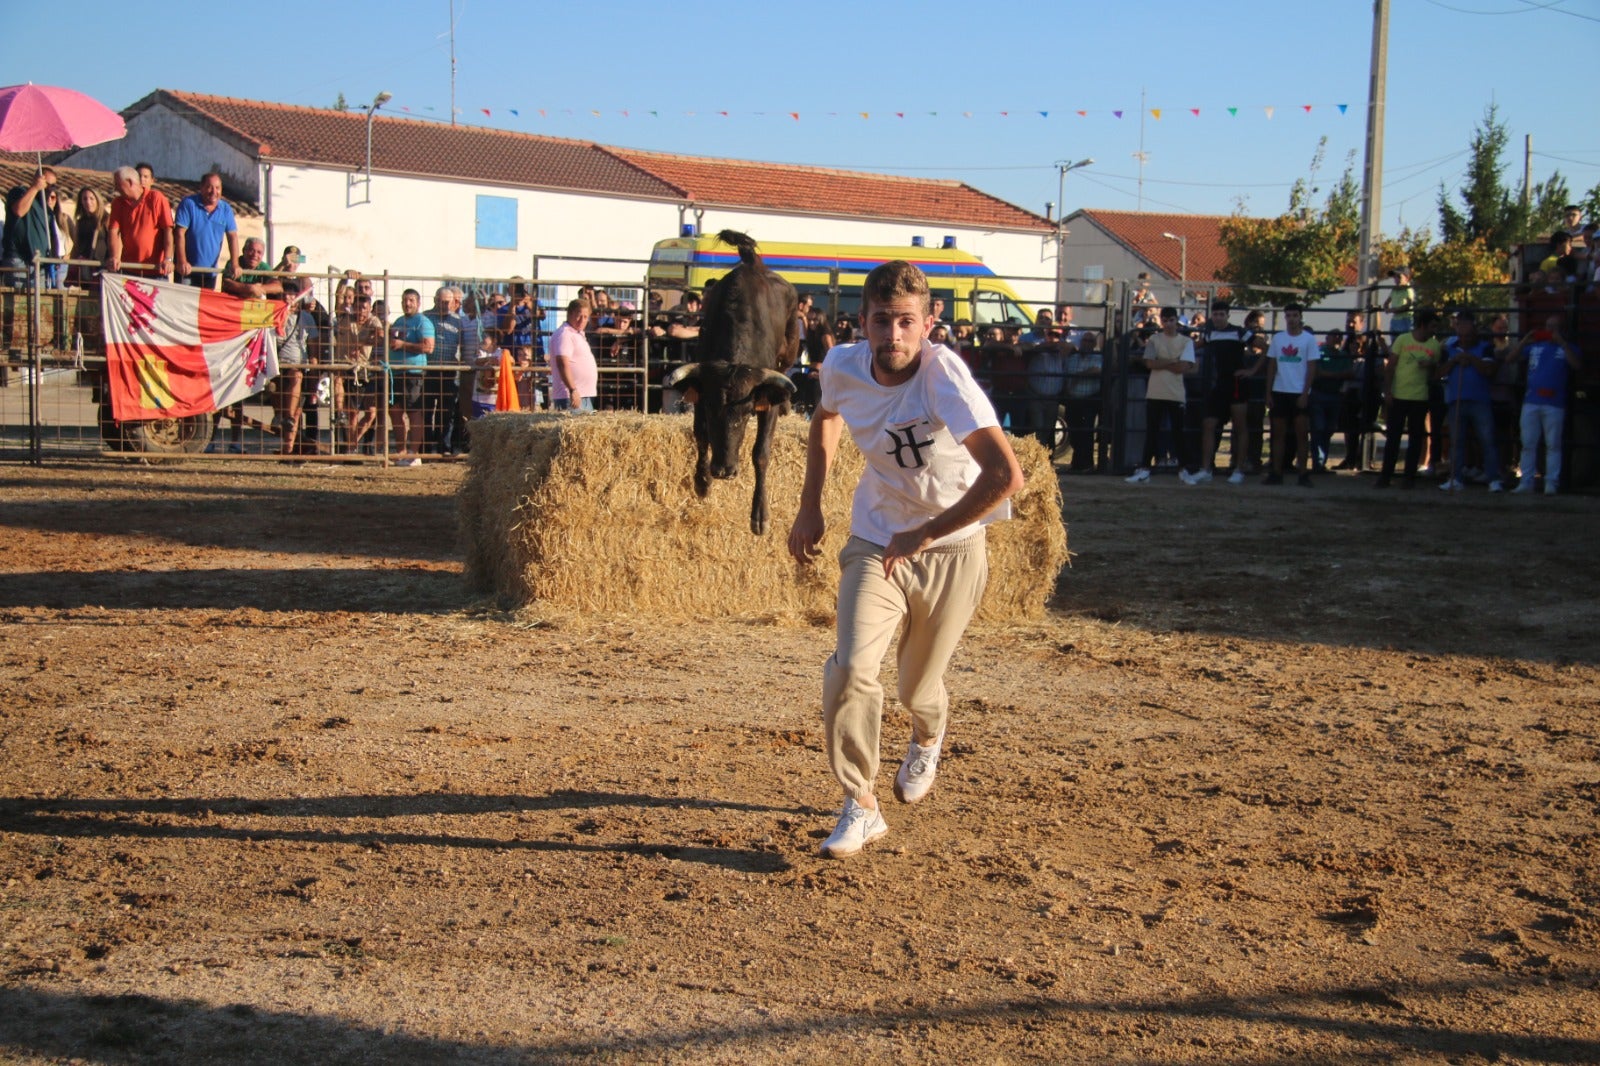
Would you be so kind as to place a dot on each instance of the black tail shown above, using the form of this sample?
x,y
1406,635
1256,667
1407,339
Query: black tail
x,y
746,246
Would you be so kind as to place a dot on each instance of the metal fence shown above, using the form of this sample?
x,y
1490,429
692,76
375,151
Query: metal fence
x,y
335,406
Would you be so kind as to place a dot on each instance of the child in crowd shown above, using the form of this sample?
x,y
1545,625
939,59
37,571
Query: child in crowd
x,y
486,375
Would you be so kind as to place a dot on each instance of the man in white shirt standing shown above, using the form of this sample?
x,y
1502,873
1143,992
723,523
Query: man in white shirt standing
x,y
1294,355
938,469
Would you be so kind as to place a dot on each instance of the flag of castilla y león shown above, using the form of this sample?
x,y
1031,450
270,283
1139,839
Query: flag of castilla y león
x,y
175,350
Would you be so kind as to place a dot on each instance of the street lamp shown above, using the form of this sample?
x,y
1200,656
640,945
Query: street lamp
x,y
372,109
1183,266
1062,166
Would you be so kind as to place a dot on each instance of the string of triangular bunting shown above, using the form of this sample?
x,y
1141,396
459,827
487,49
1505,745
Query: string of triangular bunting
x,y
1268,111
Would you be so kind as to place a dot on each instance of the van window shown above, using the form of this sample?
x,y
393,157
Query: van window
x,y
997,307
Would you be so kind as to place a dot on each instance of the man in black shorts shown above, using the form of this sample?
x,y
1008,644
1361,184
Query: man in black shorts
x,y
1227,401
1294,355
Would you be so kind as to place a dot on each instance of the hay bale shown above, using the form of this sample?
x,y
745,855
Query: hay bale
x,y
598,514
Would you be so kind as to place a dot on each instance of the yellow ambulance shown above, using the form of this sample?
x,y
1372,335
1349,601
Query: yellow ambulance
x,y
833,273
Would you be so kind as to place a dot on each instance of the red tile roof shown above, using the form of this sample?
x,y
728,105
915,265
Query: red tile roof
x,y
786,187
1141,233
412,146
18,168
280,132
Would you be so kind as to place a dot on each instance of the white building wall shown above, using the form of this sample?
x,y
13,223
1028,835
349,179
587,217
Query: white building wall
x,y
178,149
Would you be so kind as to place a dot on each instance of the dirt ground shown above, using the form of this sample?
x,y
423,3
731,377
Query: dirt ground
x,y
1286,776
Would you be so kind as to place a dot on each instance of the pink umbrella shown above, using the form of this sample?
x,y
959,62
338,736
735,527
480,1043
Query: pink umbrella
x,y
46,118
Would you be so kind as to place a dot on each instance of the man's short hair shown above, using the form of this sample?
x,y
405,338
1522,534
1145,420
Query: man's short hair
x,y
1427,317
893,280
1293,307
1219,306
249,242
574,305
122,174
412,292
442,290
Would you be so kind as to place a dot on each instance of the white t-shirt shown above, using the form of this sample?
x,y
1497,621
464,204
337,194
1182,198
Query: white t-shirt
x,y
911,435
1293,355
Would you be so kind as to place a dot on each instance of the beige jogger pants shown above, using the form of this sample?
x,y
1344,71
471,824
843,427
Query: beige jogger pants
x,y
929,599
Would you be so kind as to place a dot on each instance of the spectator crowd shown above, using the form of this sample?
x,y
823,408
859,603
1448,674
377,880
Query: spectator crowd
x,y
1470,401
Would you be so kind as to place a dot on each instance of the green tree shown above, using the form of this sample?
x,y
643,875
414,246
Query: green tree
x,y
339,103
1490,210
1305,249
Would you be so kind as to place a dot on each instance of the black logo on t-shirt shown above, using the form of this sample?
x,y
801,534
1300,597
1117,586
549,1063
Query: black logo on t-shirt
x,y
907,439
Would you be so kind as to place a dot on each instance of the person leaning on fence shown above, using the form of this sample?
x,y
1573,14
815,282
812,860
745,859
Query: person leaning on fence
x,y
204,222
298,345
1047,374
140,228
90,240
357,334
441,389
481,398
29,225
1083,367
1168,355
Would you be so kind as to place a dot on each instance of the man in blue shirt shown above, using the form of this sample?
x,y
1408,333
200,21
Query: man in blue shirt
x,y
1468,368
203,221
440,395
411,339
1544,407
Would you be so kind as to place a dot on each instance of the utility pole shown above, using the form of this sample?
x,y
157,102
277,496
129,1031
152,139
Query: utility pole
x,y
1527,173
452,62
1372,176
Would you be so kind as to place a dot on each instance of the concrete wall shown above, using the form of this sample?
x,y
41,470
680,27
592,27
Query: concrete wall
x,y
178,149
1090,248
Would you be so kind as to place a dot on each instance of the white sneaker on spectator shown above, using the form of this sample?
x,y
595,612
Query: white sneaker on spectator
x,y
1450,484
917,770
1523,486
1138,477
1200,477
1496,486
1237,477
409,462
1186,477
857,827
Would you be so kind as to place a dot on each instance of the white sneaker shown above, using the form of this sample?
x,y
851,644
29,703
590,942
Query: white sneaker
x,y
1200,477
915,776
1496,486
1138,477
1451,485
1236,478
1186,477
409,462
1523,486
857,827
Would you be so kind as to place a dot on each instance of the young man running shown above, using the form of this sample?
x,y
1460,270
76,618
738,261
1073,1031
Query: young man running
x,y
938,469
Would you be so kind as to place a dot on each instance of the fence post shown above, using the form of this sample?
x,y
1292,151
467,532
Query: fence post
x,y
35,387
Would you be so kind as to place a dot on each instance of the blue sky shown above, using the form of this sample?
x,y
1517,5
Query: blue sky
x,y
951,66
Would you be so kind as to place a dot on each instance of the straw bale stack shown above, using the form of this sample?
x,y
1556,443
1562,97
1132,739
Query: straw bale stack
x,y
598,514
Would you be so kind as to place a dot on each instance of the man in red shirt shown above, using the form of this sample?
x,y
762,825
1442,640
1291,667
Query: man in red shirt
x,y
141,227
